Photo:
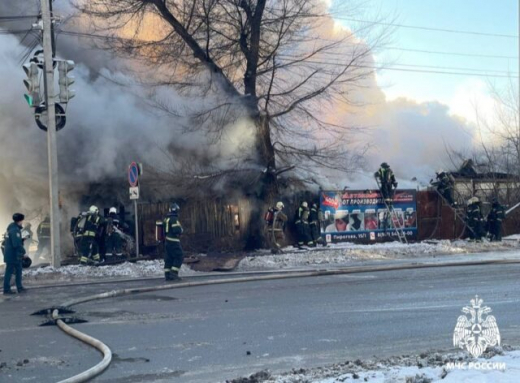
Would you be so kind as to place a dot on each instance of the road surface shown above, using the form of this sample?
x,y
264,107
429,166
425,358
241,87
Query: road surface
x,y
214,333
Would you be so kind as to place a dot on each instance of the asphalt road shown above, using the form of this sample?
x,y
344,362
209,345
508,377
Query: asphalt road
x,y
204,334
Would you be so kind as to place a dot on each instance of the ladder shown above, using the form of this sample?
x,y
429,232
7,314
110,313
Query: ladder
x,y
456,211
394,217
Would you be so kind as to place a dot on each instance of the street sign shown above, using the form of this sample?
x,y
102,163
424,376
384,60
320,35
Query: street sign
x,y
134,192
133,174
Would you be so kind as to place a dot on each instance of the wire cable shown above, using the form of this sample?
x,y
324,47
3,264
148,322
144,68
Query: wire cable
x,y
418,27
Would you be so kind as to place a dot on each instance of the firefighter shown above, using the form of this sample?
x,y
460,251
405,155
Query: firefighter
x,y
44,237
445,186
494,220
302,226
173,256
89,245
113,240
275,221
387,183
474,219
315,220
14,253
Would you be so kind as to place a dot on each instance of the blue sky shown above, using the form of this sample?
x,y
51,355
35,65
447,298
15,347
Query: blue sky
x,y
486,16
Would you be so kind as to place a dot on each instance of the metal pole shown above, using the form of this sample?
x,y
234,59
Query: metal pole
x,y
136,230
51,132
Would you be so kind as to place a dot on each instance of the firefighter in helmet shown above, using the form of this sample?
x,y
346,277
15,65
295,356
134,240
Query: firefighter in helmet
x,y
494,220
113,240
387,183
173,256
89,246
475,219
275,223
315,220
44,237
302,226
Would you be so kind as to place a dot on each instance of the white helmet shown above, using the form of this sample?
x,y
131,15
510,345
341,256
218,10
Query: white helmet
x,y
473,200
112,210
93,209
340,214
305,204
279,205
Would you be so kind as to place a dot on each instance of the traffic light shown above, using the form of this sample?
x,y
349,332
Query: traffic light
x,y
32,83
64,67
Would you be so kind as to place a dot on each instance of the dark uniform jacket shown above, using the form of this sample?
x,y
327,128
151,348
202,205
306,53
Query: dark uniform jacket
x,y
497,214
386,176
14,250
172,228
44,230
93,225
474,213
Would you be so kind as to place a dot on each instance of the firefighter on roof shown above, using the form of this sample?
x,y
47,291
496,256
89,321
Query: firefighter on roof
x,y
387,183
173,256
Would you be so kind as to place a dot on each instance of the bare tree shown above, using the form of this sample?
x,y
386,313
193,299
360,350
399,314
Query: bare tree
x,y
268,59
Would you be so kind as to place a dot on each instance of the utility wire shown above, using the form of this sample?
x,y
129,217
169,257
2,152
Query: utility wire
x,y
452,53
458,73
427,28
339,54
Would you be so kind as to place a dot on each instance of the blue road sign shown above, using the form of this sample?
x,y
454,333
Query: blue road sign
x,y
133,174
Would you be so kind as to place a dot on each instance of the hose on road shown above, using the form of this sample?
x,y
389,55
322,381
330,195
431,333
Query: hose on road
x,y
107,353
103,348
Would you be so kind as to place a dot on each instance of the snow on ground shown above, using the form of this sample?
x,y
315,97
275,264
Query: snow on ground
x,y
77,273
347,252
426,368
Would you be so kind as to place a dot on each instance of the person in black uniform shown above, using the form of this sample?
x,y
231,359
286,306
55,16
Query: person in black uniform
x,y
14,253
494,220
475,219
44,237
387,182
89,246
302,226
173,255
315,220
445,186
113,240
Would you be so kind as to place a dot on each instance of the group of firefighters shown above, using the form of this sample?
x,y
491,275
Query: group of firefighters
x,y
307,222
92,233
479,226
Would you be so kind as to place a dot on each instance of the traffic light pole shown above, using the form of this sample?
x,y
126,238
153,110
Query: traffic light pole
x,y
48,79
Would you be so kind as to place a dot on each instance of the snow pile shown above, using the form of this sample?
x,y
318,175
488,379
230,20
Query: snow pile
x,y
347,252
140,269
426,368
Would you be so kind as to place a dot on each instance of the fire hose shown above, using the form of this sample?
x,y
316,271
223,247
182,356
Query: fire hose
x,y
277,275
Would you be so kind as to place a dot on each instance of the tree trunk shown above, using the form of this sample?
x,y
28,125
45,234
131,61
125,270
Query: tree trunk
x,y
267,188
